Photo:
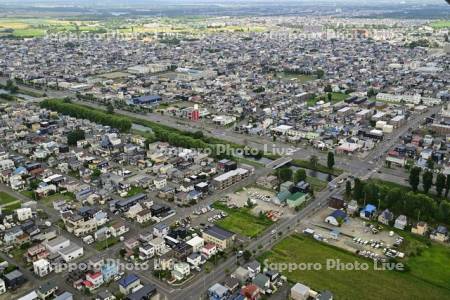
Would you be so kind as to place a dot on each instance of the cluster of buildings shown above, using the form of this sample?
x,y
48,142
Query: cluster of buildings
x,y
104,189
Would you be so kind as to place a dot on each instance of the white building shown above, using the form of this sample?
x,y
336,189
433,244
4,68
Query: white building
x,y
6,164
2,287
24,214
300,292
159,245
181,270
223,120
42,267
71,252
56,244
196,243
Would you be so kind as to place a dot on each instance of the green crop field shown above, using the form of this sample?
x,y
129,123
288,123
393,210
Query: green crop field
x,y
427,277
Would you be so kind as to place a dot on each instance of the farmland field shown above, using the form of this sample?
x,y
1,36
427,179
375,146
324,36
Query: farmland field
x,y
242,221
426,279
440,24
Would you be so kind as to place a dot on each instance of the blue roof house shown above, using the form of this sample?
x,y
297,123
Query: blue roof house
x,y
128,283
368,211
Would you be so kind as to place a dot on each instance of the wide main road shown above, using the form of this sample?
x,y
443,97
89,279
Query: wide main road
x,y
263,144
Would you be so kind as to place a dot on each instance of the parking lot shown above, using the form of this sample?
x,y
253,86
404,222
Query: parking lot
x,y
355,235
261,198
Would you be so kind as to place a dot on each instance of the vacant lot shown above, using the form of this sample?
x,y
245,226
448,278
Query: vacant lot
x,y
6,198
335,98
301,78
418,283
242,221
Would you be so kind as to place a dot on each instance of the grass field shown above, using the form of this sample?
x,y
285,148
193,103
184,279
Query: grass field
x,y
6,198
440,24
335,98
300,78
134,190
316,183
427,279
8,203
242,221
102,245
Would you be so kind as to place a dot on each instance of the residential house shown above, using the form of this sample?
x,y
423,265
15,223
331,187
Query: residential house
x,y
109,270
42,267
118,229
144,216
386,217
47,291
128,283
218,292
218,236
300,292
420,228
401,222
440,234
146,292
160,230
180,271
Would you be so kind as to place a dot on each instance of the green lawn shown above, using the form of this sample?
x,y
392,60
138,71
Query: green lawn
x,y
101,245
135,190
316,183
427,279
6,198
8,203
242,221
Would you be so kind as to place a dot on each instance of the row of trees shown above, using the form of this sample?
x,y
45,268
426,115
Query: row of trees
x,y
416,206
286,174
175,137
83,112
442,182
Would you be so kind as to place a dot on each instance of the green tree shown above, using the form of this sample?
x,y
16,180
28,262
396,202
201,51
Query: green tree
x,y
348,188
300,175
447,185
96,173
430,163
74,136
371,192
328,88
284,174
440,184
11,86
320,73
329,96
371,92
358,190
247,255
110,108
330,160
314,161
427,181
414,178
